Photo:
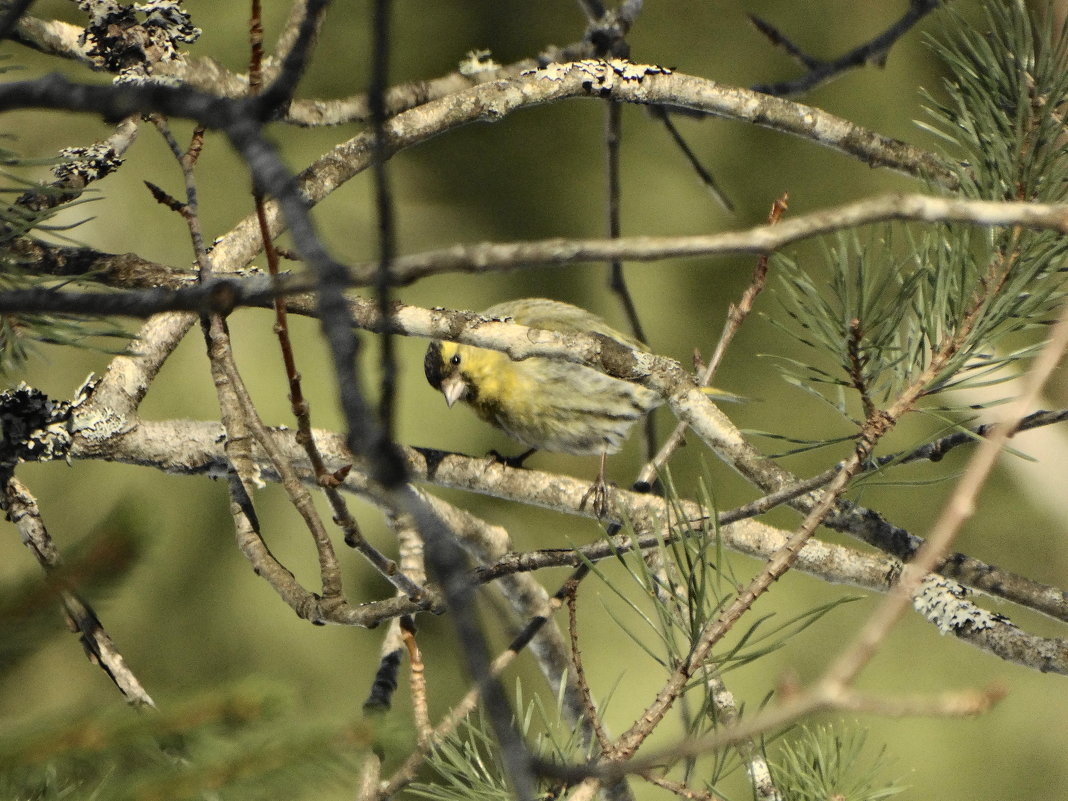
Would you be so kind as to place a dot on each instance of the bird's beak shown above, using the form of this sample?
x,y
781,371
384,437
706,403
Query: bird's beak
x,y
454,388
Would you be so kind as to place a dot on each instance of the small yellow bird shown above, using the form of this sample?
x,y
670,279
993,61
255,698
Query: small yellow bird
x,y
546,404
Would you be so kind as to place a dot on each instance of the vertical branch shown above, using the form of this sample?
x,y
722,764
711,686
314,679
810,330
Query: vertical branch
x,y
384,208
752,756
255,40
858,363
616,281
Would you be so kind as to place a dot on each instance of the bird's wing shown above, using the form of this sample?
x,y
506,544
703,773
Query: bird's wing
x,y
552,315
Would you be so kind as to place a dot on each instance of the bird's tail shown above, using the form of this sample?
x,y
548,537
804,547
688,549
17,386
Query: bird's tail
x,y
717,394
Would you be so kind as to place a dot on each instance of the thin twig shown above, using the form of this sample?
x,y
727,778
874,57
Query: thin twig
x,y
957,510
858,362
819,72
417,683
706,177
21,508
405,774
571,598
255,40
616,281
736,315
242,414
682,790
750,750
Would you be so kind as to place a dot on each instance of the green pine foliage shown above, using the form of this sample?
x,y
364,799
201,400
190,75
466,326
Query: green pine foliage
x,y
875,314
828,762
466,764
21,333
949,305
238,742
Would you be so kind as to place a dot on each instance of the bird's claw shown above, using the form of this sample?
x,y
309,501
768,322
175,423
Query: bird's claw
x,y
598,494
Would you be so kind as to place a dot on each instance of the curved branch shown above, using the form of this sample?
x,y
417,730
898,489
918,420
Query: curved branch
x,y
195,448
492,102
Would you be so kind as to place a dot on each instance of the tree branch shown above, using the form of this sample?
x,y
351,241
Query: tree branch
x,y
875,51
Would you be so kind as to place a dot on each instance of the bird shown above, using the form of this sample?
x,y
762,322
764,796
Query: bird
x,y
546,404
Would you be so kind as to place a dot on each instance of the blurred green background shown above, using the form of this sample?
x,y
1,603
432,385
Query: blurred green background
x,y
194,616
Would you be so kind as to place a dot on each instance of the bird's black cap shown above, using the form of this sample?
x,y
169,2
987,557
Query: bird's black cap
x,y
434,365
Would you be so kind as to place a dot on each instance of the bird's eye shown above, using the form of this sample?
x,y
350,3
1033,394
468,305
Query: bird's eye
x,y
455,360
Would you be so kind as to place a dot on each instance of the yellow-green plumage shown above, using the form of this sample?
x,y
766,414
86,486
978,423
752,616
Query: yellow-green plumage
x,y
544,403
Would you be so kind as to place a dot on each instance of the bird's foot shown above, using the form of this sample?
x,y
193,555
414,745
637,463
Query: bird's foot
x,y
597,497
598,493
